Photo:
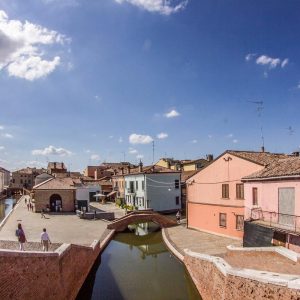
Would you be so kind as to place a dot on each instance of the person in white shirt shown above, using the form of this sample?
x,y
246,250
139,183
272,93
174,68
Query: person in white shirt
x,y
45,240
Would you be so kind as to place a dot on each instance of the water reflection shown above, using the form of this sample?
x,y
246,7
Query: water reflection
x,y
136,266
6,206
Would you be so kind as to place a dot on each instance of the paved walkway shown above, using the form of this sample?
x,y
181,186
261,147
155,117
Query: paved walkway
x,y
108,207
62,228
182,238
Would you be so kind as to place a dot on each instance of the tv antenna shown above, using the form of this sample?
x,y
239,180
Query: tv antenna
x,y
153,151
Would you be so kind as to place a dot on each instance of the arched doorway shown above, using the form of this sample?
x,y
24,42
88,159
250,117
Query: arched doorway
x,y
55,203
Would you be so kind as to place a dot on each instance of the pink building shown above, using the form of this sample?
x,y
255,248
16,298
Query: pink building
x,y
272,199
215,194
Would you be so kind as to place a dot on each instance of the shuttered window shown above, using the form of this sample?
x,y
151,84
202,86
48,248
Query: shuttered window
x,y
225,191
239,191
222,220
254,196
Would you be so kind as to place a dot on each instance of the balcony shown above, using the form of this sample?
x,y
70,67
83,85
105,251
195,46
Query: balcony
x,y
286,222
130,191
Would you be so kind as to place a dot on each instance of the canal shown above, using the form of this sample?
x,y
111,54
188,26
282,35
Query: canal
x,y
6,205
138,265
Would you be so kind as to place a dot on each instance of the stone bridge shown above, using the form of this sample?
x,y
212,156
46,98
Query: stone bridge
x,y
139,217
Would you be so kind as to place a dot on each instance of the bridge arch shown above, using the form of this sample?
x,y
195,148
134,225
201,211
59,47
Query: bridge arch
x,y
141,216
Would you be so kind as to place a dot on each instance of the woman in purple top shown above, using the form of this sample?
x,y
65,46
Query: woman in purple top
x,y
21,236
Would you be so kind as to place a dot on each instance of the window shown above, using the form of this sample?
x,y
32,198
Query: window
x,y
239,191
254,196
225,190
29,181
14,180
239,222
143,185
21,181
222,220
176,184
137,185
177,200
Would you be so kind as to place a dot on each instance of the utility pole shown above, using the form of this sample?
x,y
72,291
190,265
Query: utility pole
x,y
153,149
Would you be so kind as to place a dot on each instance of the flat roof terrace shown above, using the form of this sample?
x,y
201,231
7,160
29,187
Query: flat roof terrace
x,y
62,228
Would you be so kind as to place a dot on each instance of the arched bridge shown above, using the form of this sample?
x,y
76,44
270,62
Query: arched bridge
x,y
141,216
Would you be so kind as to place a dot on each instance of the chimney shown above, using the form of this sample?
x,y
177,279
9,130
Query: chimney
x,y
140,167
296,153
96,174
262,149
209,157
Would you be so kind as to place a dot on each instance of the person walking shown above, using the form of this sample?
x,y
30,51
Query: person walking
x,y
21,237
178,217
28,206
43,214
45,240
25,201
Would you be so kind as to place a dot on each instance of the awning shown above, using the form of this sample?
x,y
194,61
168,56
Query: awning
x,y
111,193
99,195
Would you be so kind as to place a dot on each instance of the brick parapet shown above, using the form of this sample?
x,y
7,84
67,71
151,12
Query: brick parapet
x,y
51,275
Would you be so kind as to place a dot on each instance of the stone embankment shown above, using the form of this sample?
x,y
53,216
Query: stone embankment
x,y
48,275
215,278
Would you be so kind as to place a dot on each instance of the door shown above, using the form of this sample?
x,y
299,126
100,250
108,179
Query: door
x,y
286,206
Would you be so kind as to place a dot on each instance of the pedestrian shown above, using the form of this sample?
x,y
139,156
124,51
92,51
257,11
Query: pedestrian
x,y
25,201
42,214
28,206
45,240
178,217
21,237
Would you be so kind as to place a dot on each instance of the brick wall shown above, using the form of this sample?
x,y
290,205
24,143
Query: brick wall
x,y
212,284
36,275
42,199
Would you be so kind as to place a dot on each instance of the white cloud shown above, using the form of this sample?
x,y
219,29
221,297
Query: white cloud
x,y
23,48
284,62
140,139
172,114
164,7
162,135
250,56
235,141
51,150
194,141
120,140
7,135
132,151
1,127
268,61
230,135
140,156
95,157
2,148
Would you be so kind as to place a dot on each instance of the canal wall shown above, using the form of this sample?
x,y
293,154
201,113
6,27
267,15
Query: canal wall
x,y
216,279
51,275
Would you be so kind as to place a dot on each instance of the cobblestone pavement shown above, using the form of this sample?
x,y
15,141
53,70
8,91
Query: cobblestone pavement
x,y
62,228
199,241
28,246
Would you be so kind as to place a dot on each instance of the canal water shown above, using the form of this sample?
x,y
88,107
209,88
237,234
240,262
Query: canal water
x,y
137,265
6,206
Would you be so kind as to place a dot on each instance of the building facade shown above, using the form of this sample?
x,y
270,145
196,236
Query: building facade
x,y
24,178
153,187
215,195
4,179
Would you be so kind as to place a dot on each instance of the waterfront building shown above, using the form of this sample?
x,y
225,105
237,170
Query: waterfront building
x,y
24,178
85,193
55,194
215,194
118,183
4,179
153,187
272,206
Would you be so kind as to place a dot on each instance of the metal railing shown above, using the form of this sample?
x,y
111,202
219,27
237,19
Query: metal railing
x,y
278,220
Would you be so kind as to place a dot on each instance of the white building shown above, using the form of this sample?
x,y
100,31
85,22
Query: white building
x,y
85,194
153,187
4,179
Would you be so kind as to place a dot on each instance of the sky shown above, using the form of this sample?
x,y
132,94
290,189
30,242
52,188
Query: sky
x,y
90,81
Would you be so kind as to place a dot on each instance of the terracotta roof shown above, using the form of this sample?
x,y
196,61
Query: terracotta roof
x,y
56,184
185,175
203,160
278,169
261,158
151,169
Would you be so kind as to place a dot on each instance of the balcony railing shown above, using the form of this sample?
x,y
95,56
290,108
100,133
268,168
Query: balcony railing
x,y
276,220
130,191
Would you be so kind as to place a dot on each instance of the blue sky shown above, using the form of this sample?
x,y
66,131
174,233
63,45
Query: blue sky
x,y
88,81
